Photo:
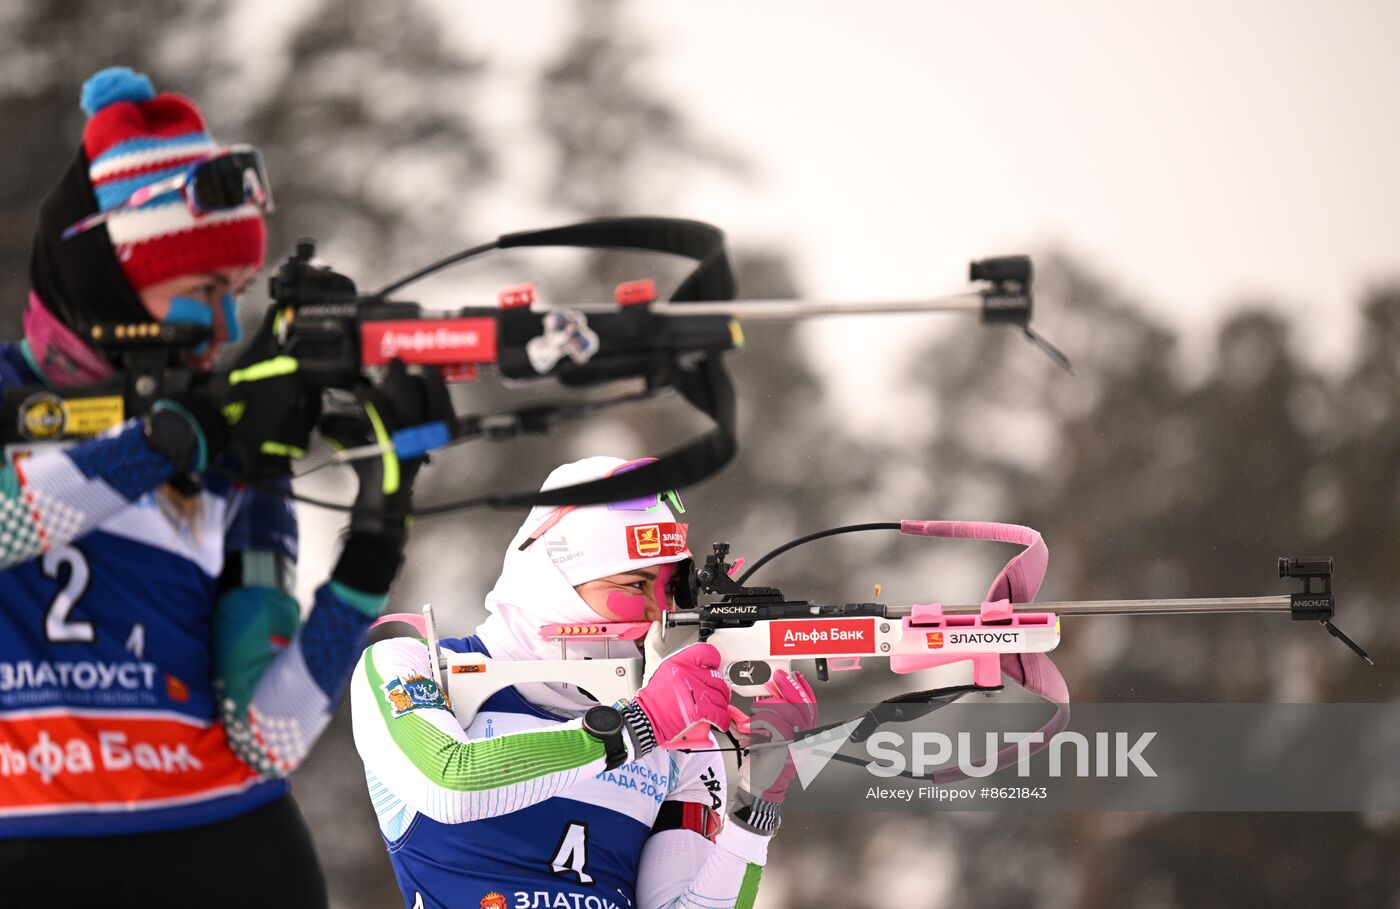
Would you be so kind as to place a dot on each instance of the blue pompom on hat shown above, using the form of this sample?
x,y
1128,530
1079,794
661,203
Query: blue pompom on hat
x,y
113,84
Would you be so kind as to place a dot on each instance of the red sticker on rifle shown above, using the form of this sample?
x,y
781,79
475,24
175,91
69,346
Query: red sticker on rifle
x,y
648,541
824,636
430,342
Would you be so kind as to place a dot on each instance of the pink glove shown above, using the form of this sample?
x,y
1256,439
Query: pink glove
x,y
792,709
686,691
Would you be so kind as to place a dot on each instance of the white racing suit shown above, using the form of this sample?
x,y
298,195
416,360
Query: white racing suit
x,y
517,810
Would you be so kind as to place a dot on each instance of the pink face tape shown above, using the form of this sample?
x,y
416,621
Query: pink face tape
x,y
627,607
632,607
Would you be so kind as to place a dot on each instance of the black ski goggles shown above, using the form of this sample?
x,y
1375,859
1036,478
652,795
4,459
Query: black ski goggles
x,y
683,588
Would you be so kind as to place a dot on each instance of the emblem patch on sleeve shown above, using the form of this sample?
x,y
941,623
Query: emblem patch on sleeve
x,y
413,692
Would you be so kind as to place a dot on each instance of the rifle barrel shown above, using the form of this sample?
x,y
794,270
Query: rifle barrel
x,y
790,310
1192,606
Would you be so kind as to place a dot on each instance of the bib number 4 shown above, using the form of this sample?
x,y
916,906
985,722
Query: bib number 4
x,y
572,854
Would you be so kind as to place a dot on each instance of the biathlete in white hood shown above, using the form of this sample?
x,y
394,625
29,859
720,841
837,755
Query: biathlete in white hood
x,y
546,798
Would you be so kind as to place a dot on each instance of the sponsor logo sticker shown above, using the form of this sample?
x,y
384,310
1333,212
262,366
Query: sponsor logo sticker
x,y
967,638
44,416
648,541
974,639
413,692
428,341
806,636
90,416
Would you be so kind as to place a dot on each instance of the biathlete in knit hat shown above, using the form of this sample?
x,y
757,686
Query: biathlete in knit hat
x,y
157,681
104,253
546,791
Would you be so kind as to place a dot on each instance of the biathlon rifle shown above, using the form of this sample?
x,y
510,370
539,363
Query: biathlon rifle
x,y
955,649
343,338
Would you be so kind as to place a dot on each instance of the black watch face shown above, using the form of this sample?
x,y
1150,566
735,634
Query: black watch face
x,y
603,720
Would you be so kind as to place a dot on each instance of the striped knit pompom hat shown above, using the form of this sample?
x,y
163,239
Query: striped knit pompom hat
x,y
135,137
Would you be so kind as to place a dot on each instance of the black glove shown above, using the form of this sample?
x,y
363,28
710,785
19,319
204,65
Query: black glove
x,y
262,412
380,517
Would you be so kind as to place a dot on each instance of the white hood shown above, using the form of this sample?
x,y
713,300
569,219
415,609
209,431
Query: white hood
x,y
536,586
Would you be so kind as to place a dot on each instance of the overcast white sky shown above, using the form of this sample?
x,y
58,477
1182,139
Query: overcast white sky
x,y
1197,152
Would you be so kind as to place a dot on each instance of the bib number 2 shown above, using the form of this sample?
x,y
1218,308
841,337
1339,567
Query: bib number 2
x,y
58,628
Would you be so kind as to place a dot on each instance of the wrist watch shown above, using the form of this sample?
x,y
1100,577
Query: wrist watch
x,y
605,724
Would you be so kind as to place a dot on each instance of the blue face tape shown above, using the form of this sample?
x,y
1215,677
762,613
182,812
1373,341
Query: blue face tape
x,y
190,311
230,307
